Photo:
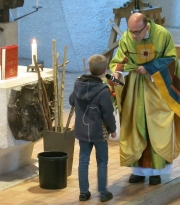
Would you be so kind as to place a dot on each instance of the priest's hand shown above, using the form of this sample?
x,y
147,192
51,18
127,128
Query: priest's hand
x,y
141,70
116,75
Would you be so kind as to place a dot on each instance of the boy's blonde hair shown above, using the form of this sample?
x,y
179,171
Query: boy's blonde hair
x,y
97,64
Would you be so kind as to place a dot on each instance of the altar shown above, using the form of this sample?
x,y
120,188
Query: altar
x,y
15,154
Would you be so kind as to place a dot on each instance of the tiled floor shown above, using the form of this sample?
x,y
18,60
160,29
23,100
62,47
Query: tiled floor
x,y
30,193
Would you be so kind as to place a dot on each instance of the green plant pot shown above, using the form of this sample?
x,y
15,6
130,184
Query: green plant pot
x,y
63,142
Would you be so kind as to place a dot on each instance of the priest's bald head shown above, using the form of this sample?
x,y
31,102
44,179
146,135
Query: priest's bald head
x,y
137,26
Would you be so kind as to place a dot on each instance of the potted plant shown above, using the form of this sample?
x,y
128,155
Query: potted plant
x,y
56,136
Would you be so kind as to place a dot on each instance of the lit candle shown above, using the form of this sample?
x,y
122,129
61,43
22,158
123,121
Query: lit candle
x,y
34,50
36,3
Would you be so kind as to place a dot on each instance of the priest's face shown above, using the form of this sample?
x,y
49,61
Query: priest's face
x,y
138,31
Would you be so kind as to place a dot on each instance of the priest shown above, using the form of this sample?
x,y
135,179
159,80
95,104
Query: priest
x,y
150,102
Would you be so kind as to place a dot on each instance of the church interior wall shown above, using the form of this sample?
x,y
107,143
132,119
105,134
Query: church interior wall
x,y
81,25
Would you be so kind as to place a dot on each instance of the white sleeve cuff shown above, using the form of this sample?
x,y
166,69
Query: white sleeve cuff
x,y
121,76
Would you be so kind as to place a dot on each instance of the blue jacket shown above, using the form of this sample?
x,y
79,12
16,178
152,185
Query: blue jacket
x,y
93,106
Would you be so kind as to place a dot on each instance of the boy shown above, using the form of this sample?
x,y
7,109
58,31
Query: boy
x,y
93,122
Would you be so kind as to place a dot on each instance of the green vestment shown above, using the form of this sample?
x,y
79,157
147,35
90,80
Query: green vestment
x,y
144,112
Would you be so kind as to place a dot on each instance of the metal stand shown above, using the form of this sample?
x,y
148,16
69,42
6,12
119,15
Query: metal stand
x,y
33,68
37,8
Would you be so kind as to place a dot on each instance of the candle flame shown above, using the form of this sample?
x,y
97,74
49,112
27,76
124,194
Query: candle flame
x,y
34,41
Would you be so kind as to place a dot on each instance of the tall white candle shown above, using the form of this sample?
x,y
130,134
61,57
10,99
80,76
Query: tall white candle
x,y
34,50
3,63
36,3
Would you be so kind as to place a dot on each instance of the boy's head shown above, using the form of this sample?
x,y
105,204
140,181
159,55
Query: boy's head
x,y
97,64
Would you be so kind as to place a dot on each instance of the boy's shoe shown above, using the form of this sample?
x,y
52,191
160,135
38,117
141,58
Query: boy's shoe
x,y
84,196
105,197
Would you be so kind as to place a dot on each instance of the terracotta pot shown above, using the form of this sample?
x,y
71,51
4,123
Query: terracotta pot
x,y
64,142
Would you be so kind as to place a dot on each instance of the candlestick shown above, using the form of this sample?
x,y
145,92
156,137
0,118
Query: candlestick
x,y
34,50
36,3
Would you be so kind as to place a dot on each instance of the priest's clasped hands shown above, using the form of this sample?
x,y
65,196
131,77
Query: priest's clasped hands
x,y
141,70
